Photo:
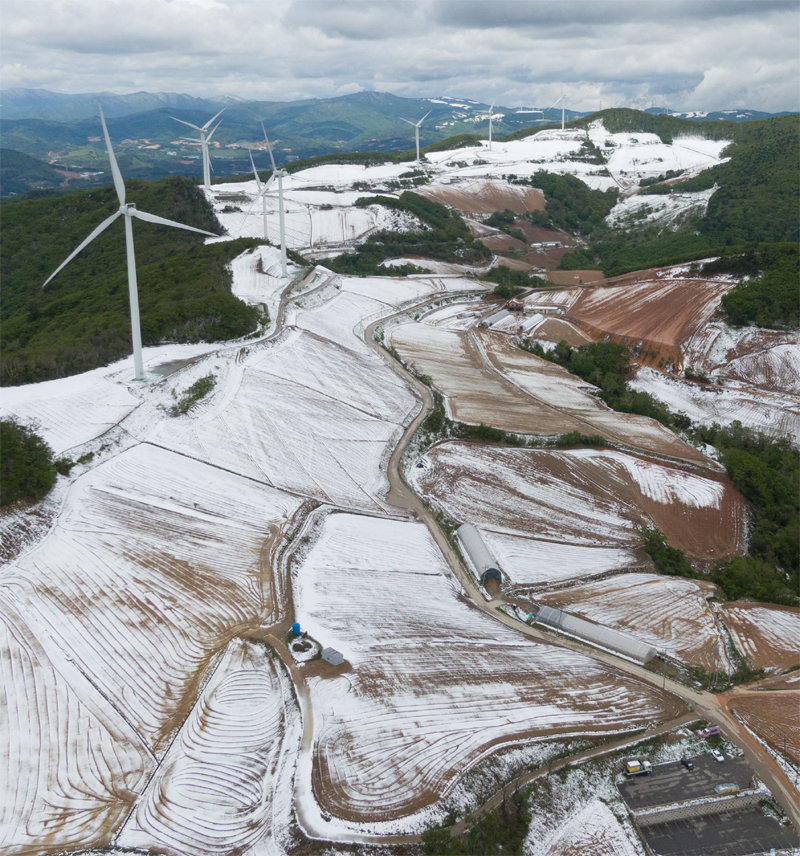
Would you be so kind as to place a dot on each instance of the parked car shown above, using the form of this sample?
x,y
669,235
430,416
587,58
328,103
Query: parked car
x,y
718,756
687,763
709,731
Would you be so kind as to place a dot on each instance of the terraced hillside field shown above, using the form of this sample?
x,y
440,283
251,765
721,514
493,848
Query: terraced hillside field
x,y
657,314
430,684
671,614
582,497
485,379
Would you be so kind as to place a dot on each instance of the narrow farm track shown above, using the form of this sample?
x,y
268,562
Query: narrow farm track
x,y
711,707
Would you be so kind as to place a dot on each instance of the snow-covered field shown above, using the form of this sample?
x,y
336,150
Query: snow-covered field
x,y
429,684
671,614
225,783
582,497
772,413
661,209
769,636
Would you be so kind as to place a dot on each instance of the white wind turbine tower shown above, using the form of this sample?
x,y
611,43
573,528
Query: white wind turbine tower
x,y
128,211
205,138
279,174
416,129
491,116
560,99
262,192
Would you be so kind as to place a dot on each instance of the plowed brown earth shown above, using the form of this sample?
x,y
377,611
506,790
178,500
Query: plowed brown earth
x,y
659,314
553,387
556,330
576,277
486,197
503,243
485,379
585,497
769,636
774,717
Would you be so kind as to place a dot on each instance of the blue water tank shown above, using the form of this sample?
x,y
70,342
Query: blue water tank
x,y
295,629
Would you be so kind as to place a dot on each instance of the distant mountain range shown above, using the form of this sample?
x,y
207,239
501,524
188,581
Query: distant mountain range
x,y
62,132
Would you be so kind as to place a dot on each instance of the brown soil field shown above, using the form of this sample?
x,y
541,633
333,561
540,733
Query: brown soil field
x,y
486,197
502,243
537,234
584,496
514,264
576,277
485,379
556,330
658,314
773,717
553,387
768,635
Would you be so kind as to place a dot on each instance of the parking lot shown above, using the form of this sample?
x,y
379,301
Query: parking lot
x,y
672,783
746,831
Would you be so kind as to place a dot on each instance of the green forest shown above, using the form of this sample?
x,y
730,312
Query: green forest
x,y
27,470
81,319
757,201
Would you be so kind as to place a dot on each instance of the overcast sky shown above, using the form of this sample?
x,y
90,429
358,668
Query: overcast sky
x,y
682,54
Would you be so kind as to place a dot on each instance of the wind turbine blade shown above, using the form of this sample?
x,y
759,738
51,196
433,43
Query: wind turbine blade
x,y
424,117
119,184
255,171
269,146
208,123
101,228
211,132
189,124
413,124
555,102
162,221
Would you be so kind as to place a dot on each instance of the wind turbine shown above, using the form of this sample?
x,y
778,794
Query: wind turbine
x,y
416,129
491,116
205,138
279,174
128,211
262,192
561,98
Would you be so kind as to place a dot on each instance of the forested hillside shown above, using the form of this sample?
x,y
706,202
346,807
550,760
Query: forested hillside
x,y
81,320
757,200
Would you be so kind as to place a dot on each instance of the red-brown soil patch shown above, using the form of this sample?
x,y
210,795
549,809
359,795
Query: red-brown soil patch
x,y
513,264
774,717
656,315
486,197
556,330
576,277
583,497
502,242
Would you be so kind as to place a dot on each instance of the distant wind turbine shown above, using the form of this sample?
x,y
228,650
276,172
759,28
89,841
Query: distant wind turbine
x,y
261,189
560,99
491,116
416,129
128,211
279,174
205,138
